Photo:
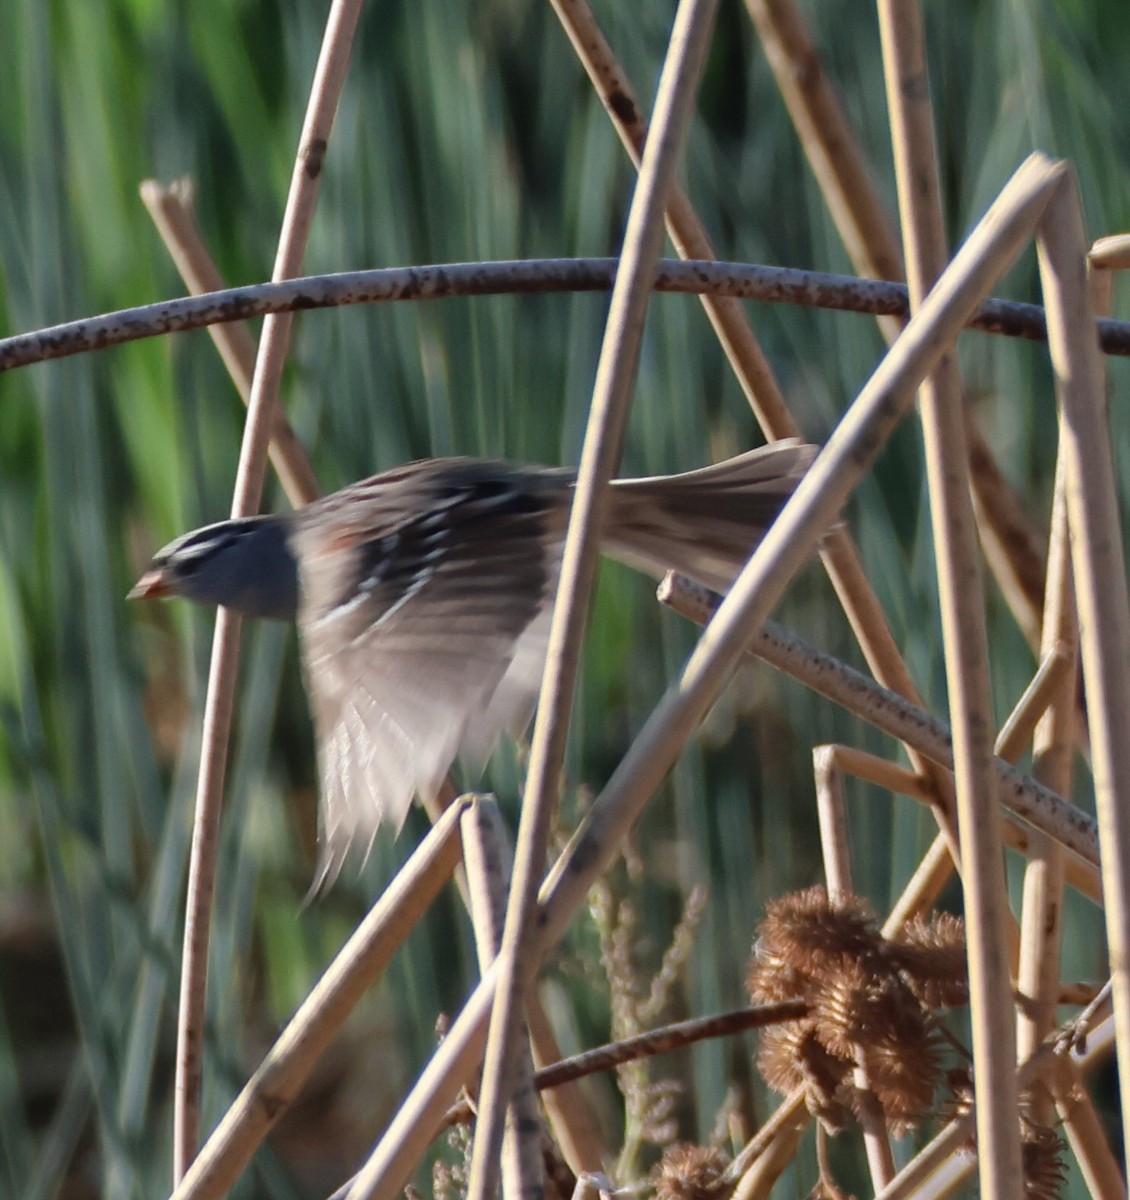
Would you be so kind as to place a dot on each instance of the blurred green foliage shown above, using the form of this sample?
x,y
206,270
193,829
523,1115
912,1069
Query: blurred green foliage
x,y
467,131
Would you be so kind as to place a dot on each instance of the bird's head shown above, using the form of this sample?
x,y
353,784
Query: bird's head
x,y
244,564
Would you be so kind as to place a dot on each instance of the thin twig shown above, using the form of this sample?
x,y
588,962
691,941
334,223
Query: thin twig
x,y
838,877
290,1060
965,638
600,456
740,281
1042,906
1100,573
172,213
1045,685
1085,1133
489,862
329,76
888,711
656,1041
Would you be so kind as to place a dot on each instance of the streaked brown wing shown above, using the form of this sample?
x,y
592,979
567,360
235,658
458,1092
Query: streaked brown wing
x,y
420,638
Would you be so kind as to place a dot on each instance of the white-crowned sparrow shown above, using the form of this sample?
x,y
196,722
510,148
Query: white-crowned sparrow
x,y
423,598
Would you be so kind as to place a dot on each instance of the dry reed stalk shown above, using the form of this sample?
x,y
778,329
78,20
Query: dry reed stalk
x,y
172,214
600,456
579,1136
829,142
845,181
1110,253
1100,572
748,360
711,279
489,864
965,640
769,1151
830,811
890,713
922,890
947,1161
841,560
838,877
1056,668
360,961
991,246
328,79
1042,906
880,771
554,1076
1084,1132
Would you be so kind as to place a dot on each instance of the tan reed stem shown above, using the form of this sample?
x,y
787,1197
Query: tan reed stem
x,y
328,78
838,877
880,771
892,714
961,596
1084,1130
1056,667
1100,573
600,455
490,864
171,210
290,1060
1042,907
989,250
841,560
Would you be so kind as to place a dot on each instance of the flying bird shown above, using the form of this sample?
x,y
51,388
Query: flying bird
x,y
423,598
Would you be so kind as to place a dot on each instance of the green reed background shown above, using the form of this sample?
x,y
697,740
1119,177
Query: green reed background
x,y
467,131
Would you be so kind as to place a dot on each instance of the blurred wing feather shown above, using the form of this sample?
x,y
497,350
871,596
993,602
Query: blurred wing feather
x,y
416,639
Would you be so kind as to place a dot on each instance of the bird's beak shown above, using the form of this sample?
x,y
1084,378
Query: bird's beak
x,y
151,586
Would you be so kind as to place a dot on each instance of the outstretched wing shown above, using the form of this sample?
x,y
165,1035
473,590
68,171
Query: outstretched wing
x,y
420,631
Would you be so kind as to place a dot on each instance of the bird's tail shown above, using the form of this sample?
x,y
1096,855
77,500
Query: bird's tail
x,y
703,523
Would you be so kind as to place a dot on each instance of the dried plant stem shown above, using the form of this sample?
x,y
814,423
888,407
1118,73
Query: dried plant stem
x,y
1100,573
1084,1132
1057,667
553,1076
172,214
289,1062
860,215
841,559
489,864
1042,908
924,887
889,712
572,1116
879,771
833,821
328,78
600,456
745,281
964,635
829,141
838,876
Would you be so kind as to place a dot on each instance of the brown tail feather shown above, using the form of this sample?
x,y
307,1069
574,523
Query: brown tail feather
x,y
703,523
